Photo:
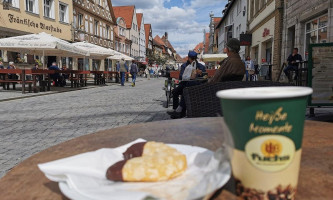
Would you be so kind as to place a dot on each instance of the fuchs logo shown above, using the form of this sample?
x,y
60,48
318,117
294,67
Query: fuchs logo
x,y
270,153
271,148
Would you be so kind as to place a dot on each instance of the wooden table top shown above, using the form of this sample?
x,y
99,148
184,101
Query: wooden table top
x,y
26,181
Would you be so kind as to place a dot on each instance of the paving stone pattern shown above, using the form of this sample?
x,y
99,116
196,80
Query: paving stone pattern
x,y
30,125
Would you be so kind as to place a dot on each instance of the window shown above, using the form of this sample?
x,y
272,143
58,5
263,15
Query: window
x,y
252,9
231,17
108,32
262,3
91,28
316,31
116,46
256,6
96,28
80,21
29,5
14,3
63,12
239,7
100,29
49,9
98,2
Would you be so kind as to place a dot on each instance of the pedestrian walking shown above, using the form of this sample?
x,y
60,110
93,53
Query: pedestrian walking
x,y
122,68
249,68
147,73
134,70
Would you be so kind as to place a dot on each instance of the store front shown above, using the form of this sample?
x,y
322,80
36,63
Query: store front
x,y
20,19
262,51
315,32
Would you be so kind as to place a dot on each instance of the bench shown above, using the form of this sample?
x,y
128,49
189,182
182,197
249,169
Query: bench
x,y
99,77
45,80
6,81
201,100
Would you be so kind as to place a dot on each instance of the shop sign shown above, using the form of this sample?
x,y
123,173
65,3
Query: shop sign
x,y
245,39
30,23
266,32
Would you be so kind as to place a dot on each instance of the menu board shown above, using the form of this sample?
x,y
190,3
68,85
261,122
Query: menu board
x,y
321,74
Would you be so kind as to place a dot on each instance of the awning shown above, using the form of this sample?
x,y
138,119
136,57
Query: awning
x,y
214,57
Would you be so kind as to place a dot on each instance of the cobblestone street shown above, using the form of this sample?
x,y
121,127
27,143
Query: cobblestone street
x,y
33,124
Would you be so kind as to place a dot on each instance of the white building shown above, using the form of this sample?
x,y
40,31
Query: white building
x,y
142,37
128,13
233,24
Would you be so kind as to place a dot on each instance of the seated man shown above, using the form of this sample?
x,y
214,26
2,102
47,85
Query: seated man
x,y
179,109
232,68
12,76
56,76
293,60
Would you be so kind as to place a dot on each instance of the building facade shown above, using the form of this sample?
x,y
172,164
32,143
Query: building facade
x,y
93,22
265,23
31,16
213,35
232,24
306,22
142,37
149,39
129,15
122,43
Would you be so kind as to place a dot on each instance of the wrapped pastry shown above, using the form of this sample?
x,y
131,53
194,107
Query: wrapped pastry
x,y
147,162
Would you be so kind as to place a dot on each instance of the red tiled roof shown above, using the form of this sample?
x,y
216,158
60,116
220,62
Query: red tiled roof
x,y
216,20
147,31
199,47
185,59
158,41
168,44
139,18
179,58
125,12
206,43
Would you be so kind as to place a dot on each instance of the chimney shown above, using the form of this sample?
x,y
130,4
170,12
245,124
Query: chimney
x,y
166,35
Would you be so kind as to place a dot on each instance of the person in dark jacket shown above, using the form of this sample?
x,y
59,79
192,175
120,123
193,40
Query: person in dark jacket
x,y
1,65
134,70
231,68
56,76
293,61
179,108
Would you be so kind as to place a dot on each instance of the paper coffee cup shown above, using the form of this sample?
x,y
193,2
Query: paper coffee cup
x,y
266,124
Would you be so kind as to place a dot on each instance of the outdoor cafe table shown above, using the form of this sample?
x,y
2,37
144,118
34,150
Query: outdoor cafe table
x,y
26,181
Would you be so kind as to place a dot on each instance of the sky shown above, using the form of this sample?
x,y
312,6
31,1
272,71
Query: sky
x,y
184,20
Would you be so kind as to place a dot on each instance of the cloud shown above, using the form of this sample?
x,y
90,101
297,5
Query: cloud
x,y
139,4
183,21
207,3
